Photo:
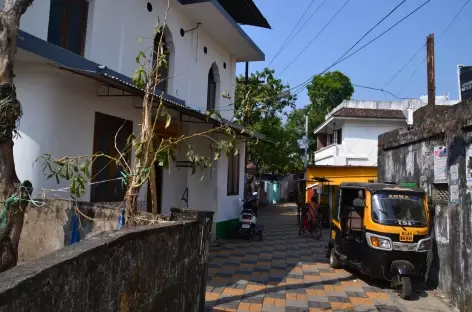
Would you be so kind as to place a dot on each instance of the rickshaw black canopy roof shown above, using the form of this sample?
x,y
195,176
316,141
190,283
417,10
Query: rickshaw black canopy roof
x,y
381,187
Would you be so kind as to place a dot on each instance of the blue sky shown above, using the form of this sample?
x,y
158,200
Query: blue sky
x,y
377,63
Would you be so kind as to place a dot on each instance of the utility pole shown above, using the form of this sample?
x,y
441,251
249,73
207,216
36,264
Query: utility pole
x,y
306,142
459,67
246,81
431,70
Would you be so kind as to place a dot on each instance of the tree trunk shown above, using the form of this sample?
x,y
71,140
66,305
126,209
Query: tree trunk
x,y
131,205
13,198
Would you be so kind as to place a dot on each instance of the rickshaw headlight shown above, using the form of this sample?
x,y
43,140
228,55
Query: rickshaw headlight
x,y
423,245
379,242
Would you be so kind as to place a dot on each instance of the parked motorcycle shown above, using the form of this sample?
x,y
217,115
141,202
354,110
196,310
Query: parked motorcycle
x,y
248,227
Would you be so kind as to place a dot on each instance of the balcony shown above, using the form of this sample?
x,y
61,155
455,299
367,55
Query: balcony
x,y
325,155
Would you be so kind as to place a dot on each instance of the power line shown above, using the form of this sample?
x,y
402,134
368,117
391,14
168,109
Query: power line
x,y
303,26
381,90
370,30
288,37
404,66
317,35
303,84
437,42
388,29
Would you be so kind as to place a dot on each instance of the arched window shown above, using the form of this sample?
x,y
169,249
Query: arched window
x,y
213,87
164,68
211,97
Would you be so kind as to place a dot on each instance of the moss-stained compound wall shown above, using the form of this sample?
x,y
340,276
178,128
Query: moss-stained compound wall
x,y
48,227
154,268
407,155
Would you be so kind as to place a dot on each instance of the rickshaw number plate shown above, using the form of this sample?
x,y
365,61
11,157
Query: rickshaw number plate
x,y
245,226
406,237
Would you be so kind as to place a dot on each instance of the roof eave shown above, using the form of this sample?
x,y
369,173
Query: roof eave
x,y
258,55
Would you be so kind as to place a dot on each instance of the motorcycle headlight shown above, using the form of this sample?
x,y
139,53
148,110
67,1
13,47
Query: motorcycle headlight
x,y
423,245
379,242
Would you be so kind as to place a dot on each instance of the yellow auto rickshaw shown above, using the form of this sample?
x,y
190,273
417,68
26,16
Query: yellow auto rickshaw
x,y
383,231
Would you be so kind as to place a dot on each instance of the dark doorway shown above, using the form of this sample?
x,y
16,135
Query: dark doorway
x,y
163,68
159,179
105,172
211,92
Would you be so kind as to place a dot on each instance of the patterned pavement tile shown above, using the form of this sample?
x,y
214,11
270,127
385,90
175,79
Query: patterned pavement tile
x,y
284,272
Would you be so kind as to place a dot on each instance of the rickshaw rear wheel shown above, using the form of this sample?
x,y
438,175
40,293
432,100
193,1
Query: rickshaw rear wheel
x,y
405,287
333,259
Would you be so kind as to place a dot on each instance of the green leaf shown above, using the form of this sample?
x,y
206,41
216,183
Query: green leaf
x,y
140,56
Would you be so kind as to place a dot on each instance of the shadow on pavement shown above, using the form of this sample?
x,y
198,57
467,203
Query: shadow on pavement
x,y
284,272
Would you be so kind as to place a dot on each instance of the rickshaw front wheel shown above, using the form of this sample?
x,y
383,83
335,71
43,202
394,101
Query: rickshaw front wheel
x,y
404,283
333,259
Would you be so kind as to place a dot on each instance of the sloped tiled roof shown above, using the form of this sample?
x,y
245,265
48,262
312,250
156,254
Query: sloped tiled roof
x,y
370,113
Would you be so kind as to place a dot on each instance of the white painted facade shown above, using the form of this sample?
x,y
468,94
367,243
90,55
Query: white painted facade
x,y
360,135
59,106
359,142
118,29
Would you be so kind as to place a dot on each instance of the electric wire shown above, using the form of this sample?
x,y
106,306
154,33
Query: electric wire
x,y
301,86
298,31
294,27
313,40
437,42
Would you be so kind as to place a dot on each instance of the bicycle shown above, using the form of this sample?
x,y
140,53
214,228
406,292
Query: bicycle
x,y
313,227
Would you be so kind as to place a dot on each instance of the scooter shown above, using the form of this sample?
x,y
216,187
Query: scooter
x,y
248,219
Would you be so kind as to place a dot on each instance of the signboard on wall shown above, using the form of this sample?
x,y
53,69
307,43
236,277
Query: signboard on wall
x,y
440,164
465,78
468,168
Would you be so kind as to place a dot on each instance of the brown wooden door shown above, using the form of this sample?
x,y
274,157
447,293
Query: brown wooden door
x,y
105,172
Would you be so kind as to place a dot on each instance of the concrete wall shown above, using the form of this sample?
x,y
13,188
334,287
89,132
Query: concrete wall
x,y
156,268
408,156
49,228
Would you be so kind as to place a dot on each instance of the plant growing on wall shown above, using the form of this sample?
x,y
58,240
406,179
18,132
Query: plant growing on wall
x,y
145,147
15,196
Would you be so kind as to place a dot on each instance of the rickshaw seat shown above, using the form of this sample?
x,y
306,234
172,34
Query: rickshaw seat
x,y
354,221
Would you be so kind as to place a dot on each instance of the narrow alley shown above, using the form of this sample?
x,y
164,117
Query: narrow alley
x,y
286,272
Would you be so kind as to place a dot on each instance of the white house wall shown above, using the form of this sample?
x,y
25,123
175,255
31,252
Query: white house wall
x,y
202,184
58,118
231,205
120,32
360,139
114,29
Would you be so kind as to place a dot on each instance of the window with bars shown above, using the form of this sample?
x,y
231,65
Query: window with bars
x,y
337,137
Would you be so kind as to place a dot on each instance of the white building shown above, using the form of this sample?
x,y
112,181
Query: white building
x,y
73,69
349,135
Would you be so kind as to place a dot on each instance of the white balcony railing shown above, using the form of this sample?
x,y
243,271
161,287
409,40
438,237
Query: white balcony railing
x,y
326,152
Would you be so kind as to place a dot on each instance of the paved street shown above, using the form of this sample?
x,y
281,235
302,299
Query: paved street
x,y
286,272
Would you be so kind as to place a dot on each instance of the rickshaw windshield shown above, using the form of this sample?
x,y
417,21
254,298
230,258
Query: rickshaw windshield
x,y
399,209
